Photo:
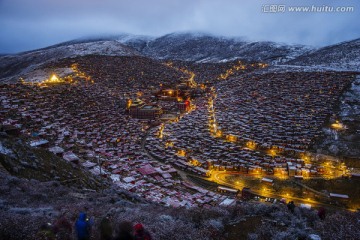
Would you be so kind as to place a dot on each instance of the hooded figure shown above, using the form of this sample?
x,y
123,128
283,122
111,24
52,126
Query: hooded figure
x,y
141,233
83,227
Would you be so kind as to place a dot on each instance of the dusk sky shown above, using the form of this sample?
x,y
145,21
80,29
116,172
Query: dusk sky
x,y
32,24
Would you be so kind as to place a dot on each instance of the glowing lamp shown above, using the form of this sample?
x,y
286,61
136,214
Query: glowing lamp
x,y
54,78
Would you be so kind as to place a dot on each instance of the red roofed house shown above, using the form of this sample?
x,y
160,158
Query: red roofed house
x,y
147,170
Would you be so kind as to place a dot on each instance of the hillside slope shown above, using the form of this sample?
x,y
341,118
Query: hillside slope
x,y
13,66
343,56
27,205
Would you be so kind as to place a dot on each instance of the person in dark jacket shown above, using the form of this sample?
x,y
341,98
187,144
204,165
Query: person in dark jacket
x,y
291,206
141,233
83,227
124,231
322,213
63,228
106,230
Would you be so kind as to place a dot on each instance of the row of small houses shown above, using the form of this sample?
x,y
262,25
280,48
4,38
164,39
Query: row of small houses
x,y
290,117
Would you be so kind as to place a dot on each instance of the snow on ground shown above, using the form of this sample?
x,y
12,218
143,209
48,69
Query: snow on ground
x,y
111,48
5,151
297,68
342,56
23,63
350,105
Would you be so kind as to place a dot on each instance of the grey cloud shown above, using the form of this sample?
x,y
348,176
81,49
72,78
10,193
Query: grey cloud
x,y
26,24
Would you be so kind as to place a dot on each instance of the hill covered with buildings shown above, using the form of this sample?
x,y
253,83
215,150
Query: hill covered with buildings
x,y
194,135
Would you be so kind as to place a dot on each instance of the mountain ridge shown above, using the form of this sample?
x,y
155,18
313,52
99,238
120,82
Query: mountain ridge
x,y
344,55
13,66
186,46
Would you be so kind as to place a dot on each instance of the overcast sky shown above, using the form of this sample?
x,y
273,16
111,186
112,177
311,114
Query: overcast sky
x,y
31,24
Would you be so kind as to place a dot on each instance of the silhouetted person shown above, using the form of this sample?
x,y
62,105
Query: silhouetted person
x,y
62,228
124,231
83,227
106,230
141,233
291,206
322,213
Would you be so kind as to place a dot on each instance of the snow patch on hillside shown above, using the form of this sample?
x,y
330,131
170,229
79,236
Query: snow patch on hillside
x,y
342,56
5,151
12,67
202,48
110,48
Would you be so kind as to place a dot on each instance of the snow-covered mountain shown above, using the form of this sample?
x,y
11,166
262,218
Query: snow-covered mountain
x,y
13,66
198,47
188,46
203,47
342,56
